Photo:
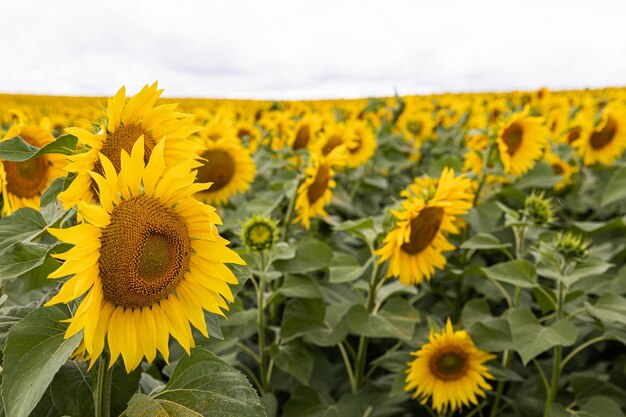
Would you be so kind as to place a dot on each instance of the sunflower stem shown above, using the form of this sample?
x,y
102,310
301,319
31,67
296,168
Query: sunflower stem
x,y
102,393
558,351
361,353
261,328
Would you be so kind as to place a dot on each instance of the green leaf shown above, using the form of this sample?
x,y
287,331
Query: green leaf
x,y
300,286
35,350
20,258
364,229
493,335
346,268
17,150
520,273
484,241
531,338
294,358
610,308
10,316
600,406
334,330
23,225
281,251
541,176
311,255
475,311
615,189
397,319
71,390
302,316
485,217
202,385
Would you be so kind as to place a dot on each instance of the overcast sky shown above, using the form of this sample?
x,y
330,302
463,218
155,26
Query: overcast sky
x,y
309,48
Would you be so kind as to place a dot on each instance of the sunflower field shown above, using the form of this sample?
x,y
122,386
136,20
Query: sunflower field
x,y
436,256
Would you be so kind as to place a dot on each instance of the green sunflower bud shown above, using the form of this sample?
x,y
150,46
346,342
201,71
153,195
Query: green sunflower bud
x,y
539,209
259,233
572,246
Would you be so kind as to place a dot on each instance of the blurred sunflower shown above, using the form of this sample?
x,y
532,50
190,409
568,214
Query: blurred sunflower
x,y
228,167
560,167
429,212
148,257
521,140
362,146
450,370
305,131
333,136
315,191
22,183
126,122
248,135
606,141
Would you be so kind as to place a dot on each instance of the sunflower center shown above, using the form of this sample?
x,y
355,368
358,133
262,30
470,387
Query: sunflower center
x,y
124,138
144,253
302,138
424,228
414,126
332,142
557,169
602,138
573,135
320,184
27,179
259,234
449,365
219,169
512,137
244,133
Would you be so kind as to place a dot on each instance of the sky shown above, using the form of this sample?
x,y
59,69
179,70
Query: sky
x,y
302,49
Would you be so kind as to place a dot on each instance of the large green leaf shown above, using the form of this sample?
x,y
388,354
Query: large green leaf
x,y
294,358
609,308
23,225
615,189
346,268
531,338
311,255
17,150
484,241
20,258
302,316
520,273
300,286
397,319
9,317
35,350
202,385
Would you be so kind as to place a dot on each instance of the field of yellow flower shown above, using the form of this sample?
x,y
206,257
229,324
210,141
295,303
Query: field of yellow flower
x,y
444,255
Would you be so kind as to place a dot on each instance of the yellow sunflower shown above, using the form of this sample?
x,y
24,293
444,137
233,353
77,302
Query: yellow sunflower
x,y
315,191
429,212
362,146
22,183
607,140
148,257
248,135
228,167
305,132
126,122
333,136
560,167
521,140
449,369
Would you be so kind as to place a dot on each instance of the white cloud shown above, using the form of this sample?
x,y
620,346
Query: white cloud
x,y
309,49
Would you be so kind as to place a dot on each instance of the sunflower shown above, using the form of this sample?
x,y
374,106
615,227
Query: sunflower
x,y
148,257
333,136
305,132
607,140
521,140
428,213
22,183
248,135
560,167
126,123
362,146
315,191
450,369
228,167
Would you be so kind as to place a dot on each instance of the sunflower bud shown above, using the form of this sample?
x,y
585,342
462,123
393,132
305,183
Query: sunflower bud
x,y
572,246
259,233
539,209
